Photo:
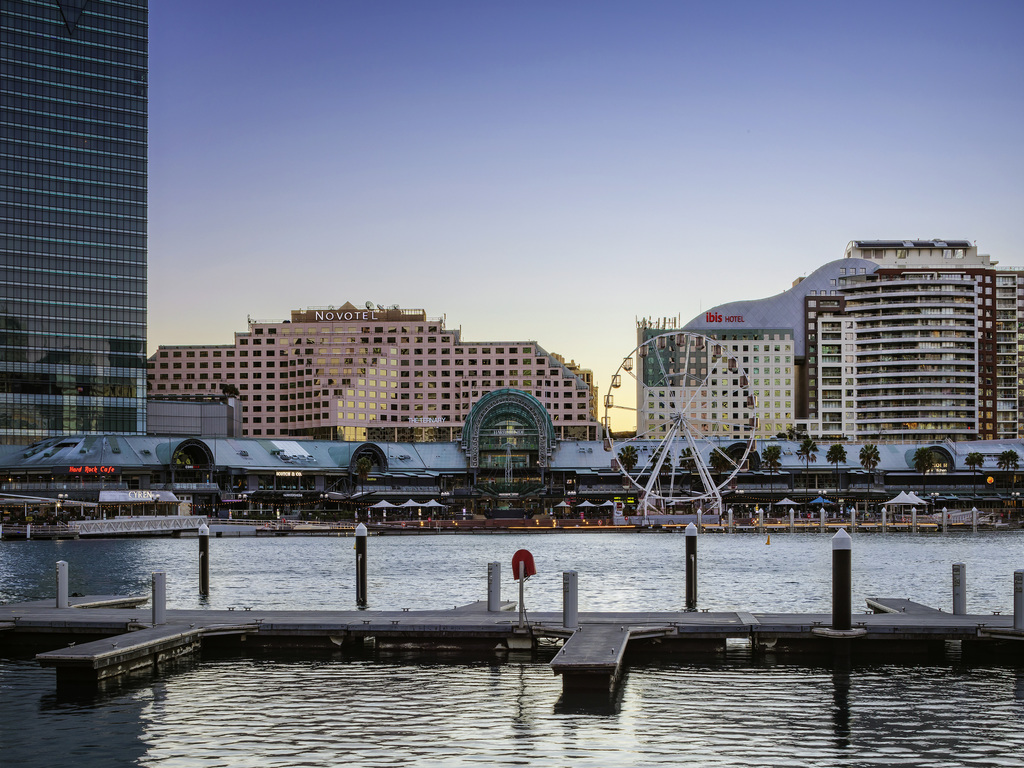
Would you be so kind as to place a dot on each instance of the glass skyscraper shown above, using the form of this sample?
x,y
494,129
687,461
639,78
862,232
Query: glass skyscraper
x,y
73,117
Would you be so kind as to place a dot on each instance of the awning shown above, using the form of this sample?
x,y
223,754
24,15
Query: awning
x,y
137,497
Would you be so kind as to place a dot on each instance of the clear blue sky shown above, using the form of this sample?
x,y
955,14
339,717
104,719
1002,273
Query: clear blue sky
x,y
555,170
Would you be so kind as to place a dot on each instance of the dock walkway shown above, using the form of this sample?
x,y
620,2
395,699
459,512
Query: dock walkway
x,y
115,638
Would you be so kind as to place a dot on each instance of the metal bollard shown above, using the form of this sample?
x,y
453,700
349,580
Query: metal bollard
x,y
361,565
884,513
691,567
204,560
760,520
28,531
792,520
821,526
913,519
842,581
730,520
959,588
159,598
945,520
974,519
494,586
570,599
62,584
1018,599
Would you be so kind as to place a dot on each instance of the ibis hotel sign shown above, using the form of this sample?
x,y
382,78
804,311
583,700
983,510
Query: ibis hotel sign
x,y
718,317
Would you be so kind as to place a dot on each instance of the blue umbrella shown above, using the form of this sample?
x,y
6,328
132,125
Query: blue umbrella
x,y
822,500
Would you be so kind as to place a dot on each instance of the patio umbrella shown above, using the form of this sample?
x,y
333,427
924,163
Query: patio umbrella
x,y
822,500
433,503
586,504
607,504
787,502
411,503
382,505
902,498
562,504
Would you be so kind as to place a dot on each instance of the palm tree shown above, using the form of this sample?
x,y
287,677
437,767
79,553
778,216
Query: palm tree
x,y
924,461
720,461
869,459
771,459
836,455
974,461
808,451
628,457
363,466
1008,461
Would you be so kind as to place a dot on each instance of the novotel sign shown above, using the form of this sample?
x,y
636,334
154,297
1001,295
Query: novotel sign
x,y
718,317
335,315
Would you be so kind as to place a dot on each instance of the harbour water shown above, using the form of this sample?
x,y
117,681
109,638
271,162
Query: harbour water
x,y
384,711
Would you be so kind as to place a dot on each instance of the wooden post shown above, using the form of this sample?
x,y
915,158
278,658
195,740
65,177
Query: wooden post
x,y
691,567
62,584
959,588
570,599
159,598
842,559
494,587
204,560
361,535
1018,600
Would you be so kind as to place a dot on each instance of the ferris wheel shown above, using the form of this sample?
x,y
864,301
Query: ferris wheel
x,y
696,422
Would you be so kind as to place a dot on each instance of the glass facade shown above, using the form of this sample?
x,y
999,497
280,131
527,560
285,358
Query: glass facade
x,y
73,135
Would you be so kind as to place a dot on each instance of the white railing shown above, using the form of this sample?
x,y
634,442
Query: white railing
x,y
138,525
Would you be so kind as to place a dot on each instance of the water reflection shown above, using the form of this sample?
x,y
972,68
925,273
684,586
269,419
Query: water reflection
x,y
841,704
374,708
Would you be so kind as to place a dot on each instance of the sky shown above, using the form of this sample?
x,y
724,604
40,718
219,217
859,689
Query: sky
x,y
555,171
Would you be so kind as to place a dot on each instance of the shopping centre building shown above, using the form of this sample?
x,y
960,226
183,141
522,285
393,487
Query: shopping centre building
x,y
371,373
899,340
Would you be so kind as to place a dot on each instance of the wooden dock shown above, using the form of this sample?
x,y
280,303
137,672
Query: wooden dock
x,y
114,638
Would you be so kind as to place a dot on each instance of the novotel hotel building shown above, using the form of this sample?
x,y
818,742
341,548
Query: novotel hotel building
x,y
380,374
911,340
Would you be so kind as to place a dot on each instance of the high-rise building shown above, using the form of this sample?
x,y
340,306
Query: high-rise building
x,y
73,133
900,340
372,373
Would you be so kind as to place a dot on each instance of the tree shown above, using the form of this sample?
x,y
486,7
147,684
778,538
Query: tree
x,y
363,466
924,462
771,459
228,390
836,455
628,457
808,451
974,461
1008,461
869,459
720,461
